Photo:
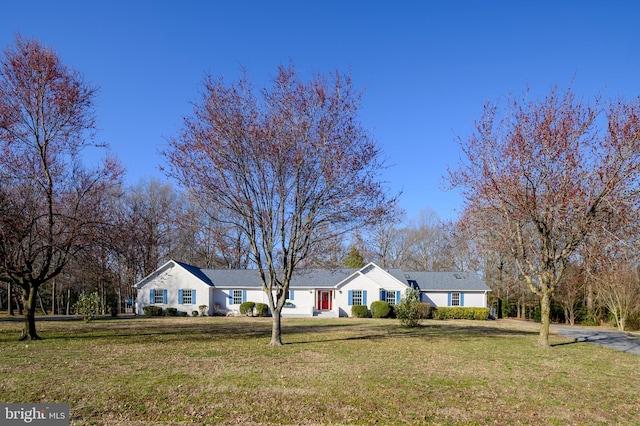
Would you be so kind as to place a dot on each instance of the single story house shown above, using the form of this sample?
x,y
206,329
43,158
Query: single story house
x,y
312,293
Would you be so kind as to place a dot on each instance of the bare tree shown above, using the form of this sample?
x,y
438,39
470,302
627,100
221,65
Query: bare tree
x,y
571,292
430,243
214,243
291,166
386,243
52,204
613,260
540,177
149,213
618,289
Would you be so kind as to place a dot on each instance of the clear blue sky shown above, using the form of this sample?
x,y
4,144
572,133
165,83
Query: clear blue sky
x,y
426,67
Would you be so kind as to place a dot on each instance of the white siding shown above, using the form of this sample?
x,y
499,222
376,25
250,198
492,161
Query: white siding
x,y
303,304
373,281
471,299
172,279
303,301
475,300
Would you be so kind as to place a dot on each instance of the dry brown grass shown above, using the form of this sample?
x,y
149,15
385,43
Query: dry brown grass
x,y
170,371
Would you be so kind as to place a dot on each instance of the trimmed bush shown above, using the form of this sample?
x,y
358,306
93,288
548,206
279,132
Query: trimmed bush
x,y
359,311
247,308
262,309
183,313
171,312
194,313
454,312
152,311
380,309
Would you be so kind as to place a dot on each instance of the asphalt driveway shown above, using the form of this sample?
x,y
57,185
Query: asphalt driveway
x,y
618,340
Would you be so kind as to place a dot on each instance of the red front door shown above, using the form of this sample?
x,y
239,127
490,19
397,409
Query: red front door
x,y
324,302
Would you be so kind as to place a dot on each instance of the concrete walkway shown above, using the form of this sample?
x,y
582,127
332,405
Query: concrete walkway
x,y
618,340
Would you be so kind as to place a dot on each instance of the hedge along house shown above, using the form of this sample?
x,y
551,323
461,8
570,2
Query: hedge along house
x,y
312,293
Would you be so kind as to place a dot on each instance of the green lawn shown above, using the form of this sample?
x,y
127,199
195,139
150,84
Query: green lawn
x,y
169,371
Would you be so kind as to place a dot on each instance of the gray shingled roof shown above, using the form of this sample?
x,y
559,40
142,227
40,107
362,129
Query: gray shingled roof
x,y
329,278
445,281
249,278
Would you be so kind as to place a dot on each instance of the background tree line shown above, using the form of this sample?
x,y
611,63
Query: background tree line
x,y
155,222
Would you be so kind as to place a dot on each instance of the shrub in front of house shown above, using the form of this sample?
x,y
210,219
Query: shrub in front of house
x,y
262,309
203,310
481,314
171,312
182,313
408,311
380,309
152,311
194,313
359,311
247,308
456,312
424,310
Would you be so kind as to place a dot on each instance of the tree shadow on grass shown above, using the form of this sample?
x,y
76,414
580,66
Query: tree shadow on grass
x,y
142,330
394,330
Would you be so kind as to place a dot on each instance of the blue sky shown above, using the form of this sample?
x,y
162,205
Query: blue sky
x,y
426,67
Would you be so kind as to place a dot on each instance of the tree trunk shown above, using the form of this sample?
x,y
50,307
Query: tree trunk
x,y
44,311
9,297
53,297
68,301
276,328
29,300
572,315
621,319
589,296
521,309
545,315
18,304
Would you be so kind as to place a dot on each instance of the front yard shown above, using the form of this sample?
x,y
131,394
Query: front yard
x,y
155,371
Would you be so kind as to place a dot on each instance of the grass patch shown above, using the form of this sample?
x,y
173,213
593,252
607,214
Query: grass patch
x,y
217,370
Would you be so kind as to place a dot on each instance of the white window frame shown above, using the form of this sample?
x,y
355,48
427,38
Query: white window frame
x,y
236,297
391,297
356,298
455,298
187,297
158,296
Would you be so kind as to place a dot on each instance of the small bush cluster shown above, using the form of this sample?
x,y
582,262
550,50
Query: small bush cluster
x,y
183,314
359,311
380,309
461,313
194,313
262,309
87,306
171,312
247,308
152,311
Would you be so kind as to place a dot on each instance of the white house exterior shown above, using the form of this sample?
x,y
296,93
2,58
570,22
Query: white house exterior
x,y
174,285
314,292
